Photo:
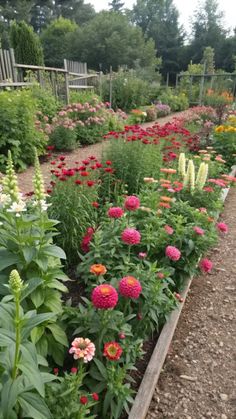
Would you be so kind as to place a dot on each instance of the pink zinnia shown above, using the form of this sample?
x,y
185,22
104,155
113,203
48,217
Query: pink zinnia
x,y
203,210
104,296
205,265
173,253
115,212
131,236
199,231
132,203
82,349
169,229
222,227
130,287
142,255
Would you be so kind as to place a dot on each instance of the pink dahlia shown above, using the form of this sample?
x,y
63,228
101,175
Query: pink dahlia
x,y
130,287
206,265
131,236
132,203
115,212
222,227
104,296
173,253
168,229
199,231
82,349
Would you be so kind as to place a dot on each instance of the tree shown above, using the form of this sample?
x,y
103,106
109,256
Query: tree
x,y
26,43
109,39
208,60
75,10
159,21
207,30
116,5
56,39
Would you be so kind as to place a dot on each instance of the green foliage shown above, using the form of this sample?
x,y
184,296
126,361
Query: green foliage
x,y
63,138
177,102
17,128
132,161
26,44
110,40
81,96
22,386
56,40
128,91
46,101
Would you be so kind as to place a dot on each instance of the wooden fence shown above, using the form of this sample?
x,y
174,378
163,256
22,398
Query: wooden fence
x,y
74,75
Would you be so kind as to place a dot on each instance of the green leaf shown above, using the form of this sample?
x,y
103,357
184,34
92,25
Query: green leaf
x,y
53,250
31,371
57,285
101,368
9,395
37,297
35,321
106,403
7,259
32,284
6,337
34,406
37,333
58,333
29,253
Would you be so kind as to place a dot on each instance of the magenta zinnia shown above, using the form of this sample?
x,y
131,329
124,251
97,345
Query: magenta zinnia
x,y
132,203
82,349
115,212
206,265
104,296
199,231
131,236
130,287
112,351
222,227
169,230
173,253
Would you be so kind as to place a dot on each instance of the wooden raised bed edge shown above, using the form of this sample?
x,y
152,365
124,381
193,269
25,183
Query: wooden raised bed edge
x,y
147,387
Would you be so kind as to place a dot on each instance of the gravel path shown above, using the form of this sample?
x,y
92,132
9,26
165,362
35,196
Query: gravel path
x,y
25,178
203,347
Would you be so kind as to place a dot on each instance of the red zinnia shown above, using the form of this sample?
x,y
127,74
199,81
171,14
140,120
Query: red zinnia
x,y
132,203
104,296
112,351
115,212
131,236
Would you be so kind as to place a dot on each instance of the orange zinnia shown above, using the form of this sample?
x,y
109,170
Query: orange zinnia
x,y
166,185
164,205
98,269
169,171
166,198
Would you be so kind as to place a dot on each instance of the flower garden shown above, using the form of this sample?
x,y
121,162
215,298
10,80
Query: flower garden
x,y
92,265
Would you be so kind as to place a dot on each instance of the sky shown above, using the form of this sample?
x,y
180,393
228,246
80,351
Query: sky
x,y
185,7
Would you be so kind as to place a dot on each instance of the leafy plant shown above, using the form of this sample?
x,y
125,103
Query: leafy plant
x,y
64,138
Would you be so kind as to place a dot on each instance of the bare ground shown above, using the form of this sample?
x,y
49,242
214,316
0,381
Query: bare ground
x,y
25,178
203,347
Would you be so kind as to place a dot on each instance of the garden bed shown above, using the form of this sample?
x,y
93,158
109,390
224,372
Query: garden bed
x,y
155,365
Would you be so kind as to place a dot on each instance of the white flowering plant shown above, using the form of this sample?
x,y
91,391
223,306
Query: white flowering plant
x,y
26,244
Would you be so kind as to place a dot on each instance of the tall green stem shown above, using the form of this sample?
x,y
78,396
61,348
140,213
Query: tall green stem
x,y
18,336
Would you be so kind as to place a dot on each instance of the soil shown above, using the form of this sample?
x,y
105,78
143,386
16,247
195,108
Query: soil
x,y
25,178
199,376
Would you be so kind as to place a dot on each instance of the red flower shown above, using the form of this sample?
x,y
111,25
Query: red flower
x,y
84,174
95,396
95,204
115,212
78,182
108,170
173,253
53,162
206,265
131,236
108,162
83,400
85,162
132,203
130,287
74,370
90,183
222,227
62,178
104,296
62,158
112,351
56,371
50,147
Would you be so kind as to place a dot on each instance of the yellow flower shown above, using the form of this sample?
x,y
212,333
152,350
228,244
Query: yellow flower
x,y
220,128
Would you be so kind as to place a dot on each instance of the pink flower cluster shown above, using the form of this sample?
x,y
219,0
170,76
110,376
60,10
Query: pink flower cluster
x,y
104,296
115,212
199,231
130,287
206,265
222,227
131,236
132,203
173,253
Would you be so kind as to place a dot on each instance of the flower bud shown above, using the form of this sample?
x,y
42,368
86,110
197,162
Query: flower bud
x,y
15,281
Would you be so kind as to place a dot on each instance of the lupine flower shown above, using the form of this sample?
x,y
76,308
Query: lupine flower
x,y
173,253
17,208
104,296
115,212
130,287
112,351
98,269
131,236
222,227
132,203
206,265
82,349
199,231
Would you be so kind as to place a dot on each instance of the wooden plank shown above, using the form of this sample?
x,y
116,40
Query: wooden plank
x,y
14,71
15,84
79,86
8,60
144,396
36,67
3,65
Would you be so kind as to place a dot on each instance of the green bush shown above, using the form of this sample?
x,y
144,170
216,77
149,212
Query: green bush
x,y
18,132
26,44
177,102
63,138
128,91
46,102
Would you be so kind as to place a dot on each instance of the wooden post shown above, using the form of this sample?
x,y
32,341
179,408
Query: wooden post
x,y
67,90
110,94
202,84
177,81
190,89
100,84
167,80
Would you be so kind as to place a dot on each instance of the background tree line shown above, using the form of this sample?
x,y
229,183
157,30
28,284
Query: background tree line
x,y
150,31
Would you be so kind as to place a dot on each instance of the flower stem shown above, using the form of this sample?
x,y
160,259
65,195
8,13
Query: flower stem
x,y
18,336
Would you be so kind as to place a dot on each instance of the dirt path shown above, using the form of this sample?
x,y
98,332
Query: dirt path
x,y
25,178
203,348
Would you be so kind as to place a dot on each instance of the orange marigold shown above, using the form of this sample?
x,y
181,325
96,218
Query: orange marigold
x,y
98,269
